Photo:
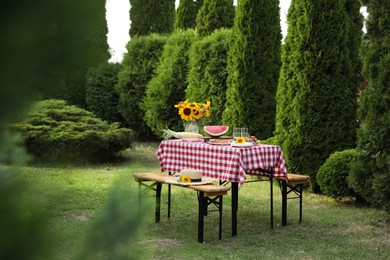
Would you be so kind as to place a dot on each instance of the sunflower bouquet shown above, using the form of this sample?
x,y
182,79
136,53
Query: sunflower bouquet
x,y
190,111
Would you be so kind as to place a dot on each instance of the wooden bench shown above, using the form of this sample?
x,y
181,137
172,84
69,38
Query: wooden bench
x,y
207,194
294,184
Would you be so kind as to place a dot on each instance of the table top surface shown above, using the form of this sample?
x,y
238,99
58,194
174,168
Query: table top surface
x,y
222,162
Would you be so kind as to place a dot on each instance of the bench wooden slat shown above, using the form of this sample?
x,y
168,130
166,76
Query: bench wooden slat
x,y
297,179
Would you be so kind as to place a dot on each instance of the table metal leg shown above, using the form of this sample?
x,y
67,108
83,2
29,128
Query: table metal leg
x,y
234,207
271,200
284,203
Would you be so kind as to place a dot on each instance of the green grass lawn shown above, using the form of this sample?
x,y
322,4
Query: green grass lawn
x,y
73,197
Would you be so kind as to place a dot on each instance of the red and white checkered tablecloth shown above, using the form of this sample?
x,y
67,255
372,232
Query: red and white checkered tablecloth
x,y
222,162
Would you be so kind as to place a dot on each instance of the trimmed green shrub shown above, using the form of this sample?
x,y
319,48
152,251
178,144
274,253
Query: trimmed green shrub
x,y
333,174
214,14
370,175
167,87
316,98
253,66
152,16
101,95
57,131
139,64
207,73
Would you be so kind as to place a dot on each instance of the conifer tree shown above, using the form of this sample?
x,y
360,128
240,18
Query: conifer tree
x,y
214,14
253,67
151,16
370,175
315,97
186,14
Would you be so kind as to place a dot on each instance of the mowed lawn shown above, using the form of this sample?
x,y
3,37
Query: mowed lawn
x,y
73,196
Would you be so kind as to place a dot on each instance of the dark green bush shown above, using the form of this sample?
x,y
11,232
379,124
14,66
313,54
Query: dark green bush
x,y
139,63
208,73
57,131
333,174
214,14
101,95
371,173
167,87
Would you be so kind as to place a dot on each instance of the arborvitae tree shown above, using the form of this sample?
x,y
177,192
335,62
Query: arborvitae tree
x,y
77,44
101,95
253,66
208,73
214,14
151,16
315,97
167,87
370,176
186,14
139,63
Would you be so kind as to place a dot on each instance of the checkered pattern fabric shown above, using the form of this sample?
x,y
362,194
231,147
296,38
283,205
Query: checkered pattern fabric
x,y
221,161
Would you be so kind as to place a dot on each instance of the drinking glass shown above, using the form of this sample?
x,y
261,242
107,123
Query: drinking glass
x,y
236,133
244,132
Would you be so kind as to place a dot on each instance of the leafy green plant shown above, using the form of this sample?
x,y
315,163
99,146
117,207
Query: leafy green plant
x,y
207,72
333,174
316,95
139,64
57,131
167,87
370,175
253,67
214,14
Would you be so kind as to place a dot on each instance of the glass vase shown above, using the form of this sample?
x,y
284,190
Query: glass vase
x,y
191,126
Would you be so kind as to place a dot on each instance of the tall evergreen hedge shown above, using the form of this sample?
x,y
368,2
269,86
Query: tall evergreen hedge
x,y
101,95
168,85
370,175
208,73
316,98
253,66
139,64
186,14
214,14
151,16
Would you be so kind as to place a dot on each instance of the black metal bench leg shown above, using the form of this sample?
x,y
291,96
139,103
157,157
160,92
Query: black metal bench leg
x,y
202,203
220,215
271,201
158,201
234,207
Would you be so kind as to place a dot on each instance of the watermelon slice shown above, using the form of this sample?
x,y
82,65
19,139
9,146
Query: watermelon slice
x,y
216,130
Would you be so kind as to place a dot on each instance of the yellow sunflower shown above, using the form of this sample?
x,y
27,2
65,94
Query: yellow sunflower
x,y
185,179
185,112
207,108
240,140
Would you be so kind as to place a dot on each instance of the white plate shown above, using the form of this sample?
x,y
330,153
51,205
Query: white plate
x,y
246,144
191,139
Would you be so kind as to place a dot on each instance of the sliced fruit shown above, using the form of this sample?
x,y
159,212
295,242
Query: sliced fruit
x,y
216,130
